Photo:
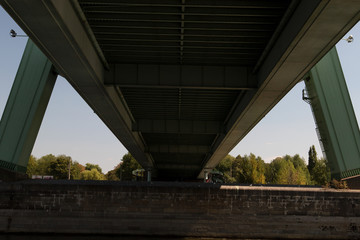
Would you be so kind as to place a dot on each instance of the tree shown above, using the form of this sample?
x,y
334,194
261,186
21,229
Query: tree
x,y
303,175
312,158
127,165
283,171
92,174
288,170
113,175
249,169
320,173
43,165
226,167
56,166
59,167
89,166
272,170
319,170
32,166
76,169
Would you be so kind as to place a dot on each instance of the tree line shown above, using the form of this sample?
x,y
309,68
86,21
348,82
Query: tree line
x,y
63,167
290,170
251,169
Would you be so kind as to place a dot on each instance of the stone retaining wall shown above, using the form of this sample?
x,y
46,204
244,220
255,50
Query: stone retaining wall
x,y
178,209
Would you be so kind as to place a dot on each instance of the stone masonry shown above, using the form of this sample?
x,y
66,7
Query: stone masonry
x,y
178,209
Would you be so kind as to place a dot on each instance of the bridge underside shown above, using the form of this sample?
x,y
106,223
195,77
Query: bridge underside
x,y
180,83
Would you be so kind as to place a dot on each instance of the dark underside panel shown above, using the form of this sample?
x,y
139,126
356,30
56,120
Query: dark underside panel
x,y
179,32
225,32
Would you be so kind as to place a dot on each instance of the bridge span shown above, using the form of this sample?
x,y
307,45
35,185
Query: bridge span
x,y
178,82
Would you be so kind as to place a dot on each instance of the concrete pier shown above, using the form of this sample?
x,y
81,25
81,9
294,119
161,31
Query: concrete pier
x,y
178,209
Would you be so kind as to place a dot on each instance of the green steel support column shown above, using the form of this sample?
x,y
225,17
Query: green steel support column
x,y
334,115
25,109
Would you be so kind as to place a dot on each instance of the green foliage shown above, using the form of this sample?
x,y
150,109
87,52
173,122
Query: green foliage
x,y
123,171
320,173
39,166
287,174
59,167
92,174
90,166
128,164
249,169
288,170
114,175
43,164
76,169
55,166
312,158
32,166
226,167
253,170
272,170
303,175
319,170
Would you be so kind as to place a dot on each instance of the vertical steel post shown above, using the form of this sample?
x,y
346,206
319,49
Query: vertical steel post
x,y
334,115
25,109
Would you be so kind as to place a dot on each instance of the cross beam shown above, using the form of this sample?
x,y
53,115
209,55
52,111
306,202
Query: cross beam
x,y
169,148
177,126
177,166
180,76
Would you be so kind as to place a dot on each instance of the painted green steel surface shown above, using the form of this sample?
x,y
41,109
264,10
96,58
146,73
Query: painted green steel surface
x,y
25,108
334,116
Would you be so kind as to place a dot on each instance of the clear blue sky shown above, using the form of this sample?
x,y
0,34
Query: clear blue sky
x,y
70,127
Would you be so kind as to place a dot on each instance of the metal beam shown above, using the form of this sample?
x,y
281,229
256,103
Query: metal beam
x,y
25,108
65,38
177,126
171,11
197,4
180,76
313,29
178,166
169,148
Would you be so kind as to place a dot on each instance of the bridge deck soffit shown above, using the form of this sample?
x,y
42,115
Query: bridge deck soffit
x,y
181,76
178,126
181,83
